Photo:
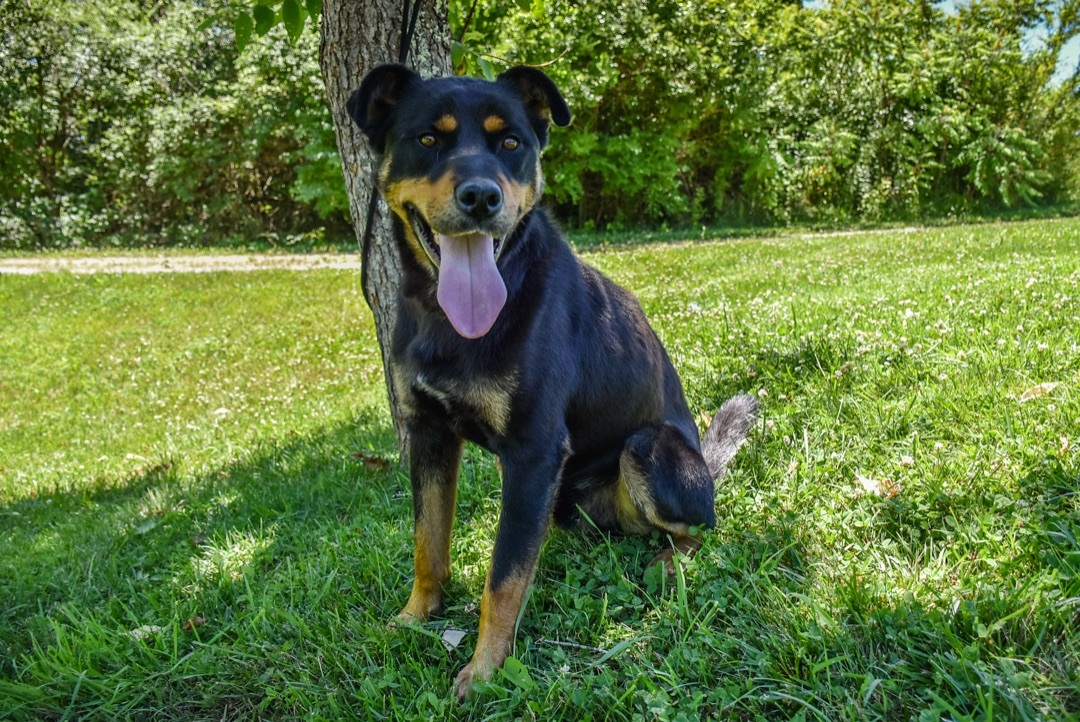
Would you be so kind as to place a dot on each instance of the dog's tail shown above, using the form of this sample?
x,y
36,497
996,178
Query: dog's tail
x,y
727,432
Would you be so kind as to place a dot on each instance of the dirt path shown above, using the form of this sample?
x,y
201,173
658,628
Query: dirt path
x,y
179,264
237,262
269,261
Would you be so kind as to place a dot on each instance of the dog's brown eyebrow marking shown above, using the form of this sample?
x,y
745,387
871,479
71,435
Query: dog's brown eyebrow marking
x,y
446,124
493,124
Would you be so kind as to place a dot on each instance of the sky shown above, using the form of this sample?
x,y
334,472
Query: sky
x,y
1067,61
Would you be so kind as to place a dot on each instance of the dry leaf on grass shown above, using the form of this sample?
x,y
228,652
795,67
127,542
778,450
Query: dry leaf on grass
x,y
193,622
1039,390
372,463
703,419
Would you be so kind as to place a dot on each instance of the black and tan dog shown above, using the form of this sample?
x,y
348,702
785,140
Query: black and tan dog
x,y
506,339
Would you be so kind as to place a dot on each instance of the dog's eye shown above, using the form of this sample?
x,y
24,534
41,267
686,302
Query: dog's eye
x,y
510,143
427,140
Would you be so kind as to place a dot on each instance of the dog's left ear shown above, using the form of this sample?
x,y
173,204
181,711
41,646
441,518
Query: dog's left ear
x,y
541,97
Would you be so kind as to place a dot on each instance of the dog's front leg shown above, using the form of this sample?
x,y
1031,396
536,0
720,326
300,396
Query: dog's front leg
x,y
434,459
530,478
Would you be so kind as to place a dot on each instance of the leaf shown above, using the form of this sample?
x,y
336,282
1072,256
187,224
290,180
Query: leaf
x,y
457,52
314,8
518,674
208,23
372,463
617,649
193,622
242,29
487,69
293,19
655,579
264,19
1039,390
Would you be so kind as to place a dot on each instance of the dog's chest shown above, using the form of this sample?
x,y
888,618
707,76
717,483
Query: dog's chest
x,y
470,404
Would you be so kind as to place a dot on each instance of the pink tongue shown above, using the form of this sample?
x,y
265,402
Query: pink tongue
x,y
471,291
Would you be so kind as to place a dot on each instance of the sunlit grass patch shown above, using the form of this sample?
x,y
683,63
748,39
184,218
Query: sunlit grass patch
x,y
188,528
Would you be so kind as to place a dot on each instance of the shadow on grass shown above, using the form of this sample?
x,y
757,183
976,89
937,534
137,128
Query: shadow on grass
x,y
166,548
261,588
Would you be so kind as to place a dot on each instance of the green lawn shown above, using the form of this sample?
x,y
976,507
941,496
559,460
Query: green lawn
x,y
189,530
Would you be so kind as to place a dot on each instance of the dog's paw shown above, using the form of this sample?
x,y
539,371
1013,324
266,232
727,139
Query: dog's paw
x,y
665,558
467,677
408,617
419,608
403,619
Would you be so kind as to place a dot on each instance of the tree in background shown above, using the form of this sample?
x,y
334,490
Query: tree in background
x,y
356,37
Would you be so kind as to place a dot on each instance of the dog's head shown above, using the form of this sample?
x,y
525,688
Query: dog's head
x,y
460,165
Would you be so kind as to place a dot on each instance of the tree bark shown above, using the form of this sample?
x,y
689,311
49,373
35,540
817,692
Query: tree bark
x,y
357,35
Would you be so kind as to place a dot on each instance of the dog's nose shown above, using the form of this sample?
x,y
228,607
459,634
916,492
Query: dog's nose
x,y
479,198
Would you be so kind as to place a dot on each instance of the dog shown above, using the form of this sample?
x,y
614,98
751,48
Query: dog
x,y
506,339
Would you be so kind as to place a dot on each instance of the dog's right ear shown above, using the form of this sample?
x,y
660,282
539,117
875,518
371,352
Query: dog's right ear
x,y
372,107
541,97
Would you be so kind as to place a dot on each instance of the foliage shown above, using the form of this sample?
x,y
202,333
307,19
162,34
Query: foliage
x,y
764,110
175,122
925,111
196,523
144,124
262,15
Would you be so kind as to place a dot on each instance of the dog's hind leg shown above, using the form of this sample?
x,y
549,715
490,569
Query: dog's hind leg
x,y
434,459
665,483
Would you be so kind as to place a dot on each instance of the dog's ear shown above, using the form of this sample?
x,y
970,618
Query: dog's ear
x,y
541,97
372,107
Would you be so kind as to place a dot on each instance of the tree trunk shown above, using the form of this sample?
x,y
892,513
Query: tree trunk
x,y
357,35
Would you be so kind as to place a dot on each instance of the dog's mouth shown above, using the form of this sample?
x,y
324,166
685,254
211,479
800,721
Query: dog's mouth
x,y
471,290
432,241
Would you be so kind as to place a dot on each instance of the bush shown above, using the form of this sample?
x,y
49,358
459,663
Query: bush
x,y
147,127
126,125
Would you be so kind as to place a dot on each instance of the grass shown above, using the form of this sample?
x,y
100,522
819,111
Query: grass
x,y
189,528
